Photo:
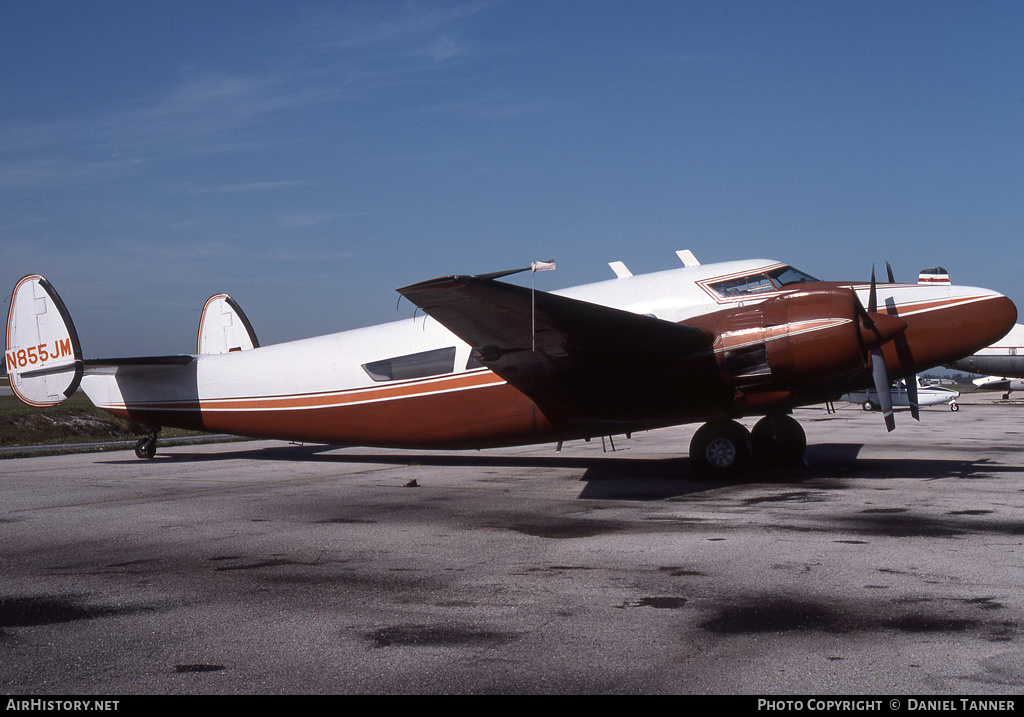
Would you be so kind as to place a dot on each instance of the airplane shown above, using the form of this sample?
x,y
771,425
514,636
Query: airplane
x,y
495,363
1005,384
1004,359
927,395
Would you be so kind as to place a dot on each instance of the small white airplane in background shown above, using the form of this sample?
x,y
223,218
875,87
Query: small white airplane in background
x,y
999,383
927,395
501,364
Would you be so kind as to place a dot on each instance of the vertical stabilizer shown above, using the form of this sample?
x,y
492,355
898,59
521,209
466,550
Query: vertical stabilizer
x,y
224,327
43,356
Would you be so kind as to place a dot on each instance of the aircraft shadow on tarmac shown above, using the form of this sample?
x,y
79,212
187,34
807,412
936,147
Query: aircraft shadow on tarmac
x,y
613,477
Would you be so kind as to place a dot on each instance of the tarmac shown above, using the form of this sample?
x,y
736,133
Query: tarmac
x,y
889,564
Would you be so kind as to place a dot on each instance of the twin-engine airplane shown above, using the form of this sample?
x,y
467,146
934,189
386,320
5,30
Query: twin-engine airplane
x,y
501,364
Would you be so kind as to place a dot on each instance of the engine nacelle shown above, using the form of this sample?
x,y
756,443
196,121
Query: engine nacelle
x,y
790,341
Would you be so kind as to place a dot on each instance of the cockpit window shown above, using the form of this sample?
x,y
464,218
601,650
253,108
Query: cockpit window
x,y
788,275
421,365
760,283
753,284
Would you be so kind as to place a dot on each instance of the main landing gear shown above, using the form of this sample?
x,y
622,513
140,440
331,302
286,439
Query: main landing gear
x,y
146,447
725,449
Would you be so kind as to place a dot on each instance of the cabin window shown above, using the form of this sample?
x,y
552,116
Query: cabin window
x,y
419,365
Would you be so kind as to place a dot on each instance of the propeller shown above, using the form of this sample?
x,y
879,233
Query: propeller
x,y
876,330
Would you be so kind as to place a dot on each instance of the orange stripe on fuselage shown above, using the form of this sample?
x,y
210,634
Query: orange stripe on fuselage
x,y
330,399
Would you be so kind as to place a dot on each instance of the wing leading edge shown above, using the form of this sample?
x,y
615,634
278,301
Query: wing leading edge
x,y
577,361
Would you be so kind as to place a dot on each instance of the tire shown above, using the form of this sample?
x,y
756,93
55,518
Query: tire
x,y
720,449
778,441
146,448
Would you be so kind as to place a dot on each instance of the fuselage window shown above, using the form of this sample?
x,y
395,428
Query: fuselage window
x,y
420,365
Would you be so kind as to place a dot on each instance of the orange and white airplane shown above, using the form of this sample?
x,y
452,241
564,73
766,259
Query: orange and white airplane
x,y
495,363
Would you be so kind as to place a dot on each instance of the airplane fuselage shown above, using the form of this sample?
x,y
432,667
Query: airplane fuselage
x,y
1004,358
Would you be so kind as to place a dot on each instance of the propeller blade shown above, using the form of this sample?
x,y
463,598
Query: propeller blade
x,y
873,295
915,407
888,269
863,313
882,387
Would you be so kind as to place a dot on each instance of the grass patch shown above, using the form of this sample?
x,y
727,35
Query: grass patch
x,y
75,420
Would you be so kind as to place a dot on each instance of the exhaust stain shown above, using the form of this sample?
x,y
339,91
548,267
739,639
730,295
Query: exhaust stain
x,y
184,669
435,636
659,603
36,611
782,615
566,530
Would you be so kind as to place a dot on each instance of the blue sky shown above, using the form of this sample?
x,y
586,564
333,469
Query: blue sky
x,y
310,157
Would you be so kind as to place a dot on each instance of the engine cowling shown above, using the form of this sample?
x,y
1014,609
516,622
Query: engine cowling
x,y
796,340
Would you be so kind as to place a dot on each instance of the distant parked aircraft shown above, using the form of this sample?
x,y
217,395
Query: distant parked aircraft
x,y
927,395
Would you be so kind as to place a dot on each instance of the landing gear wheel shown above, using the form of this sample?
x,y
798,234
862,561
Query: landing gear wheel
x,y
146,447
954,407
720,449
778,441
869,406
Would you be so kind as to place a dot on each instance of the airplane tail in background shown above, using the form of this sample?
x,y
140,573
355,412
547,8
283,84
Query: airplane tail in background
x,y
43,355
934,275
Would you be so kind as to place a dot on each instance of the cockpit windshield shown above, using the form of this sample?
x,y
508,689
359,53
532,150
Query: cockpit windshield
x,y
788,275
760,283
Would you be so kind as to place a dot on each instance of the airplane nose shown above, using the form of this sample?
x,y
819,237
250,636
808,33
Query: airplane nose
x,y
1000,314
986,321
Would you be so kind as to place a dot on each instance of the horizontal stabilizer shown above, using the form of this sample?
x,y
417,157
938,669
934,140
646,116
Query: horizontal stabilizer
x,y
135,364
43,355
224,327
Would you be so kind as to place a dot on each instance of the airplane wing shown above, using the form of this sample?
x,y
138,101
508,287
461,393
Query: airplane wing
x,y
584,362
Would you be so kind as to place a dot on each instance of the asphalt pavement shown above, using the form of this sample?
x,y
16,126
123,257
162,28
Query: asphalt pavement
x,y
889,564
